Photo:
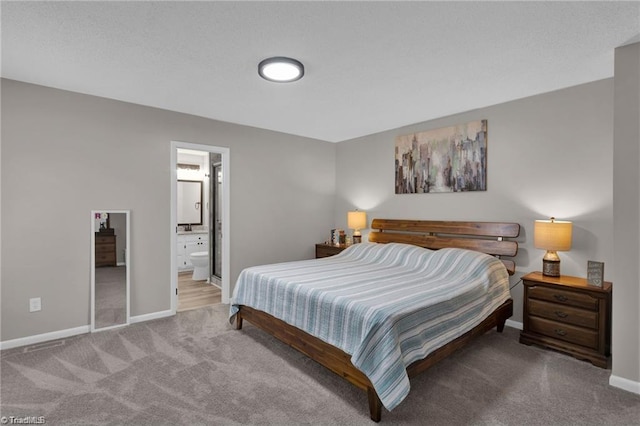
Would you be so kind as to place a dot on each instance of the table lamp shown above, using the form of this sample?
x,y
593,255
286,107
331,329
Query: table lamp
x,y
357,220
553,236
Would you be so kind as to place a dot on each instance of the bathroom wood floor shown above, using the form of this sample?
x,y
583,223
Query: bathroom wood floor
x,y
195,294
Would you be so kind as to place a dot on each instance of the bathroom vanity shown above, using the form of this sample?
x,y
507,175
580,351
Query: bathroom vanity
x,y
190,242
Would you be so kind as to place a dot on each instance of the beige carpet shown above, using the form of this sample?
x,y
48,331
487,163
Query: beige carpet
x,y
195,369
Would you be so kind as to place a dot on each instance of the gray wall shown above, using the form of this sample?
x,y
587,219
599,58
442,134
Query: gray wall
x,y
548,155
65,154
626,214
551,154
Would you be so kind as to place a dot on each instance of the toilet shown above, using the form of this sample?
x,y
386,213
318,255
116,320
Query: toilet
x,y
200,262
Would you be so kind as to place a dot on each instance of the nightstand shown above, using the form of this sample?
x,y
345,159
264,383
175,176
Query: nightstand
x,y
326,250
567,314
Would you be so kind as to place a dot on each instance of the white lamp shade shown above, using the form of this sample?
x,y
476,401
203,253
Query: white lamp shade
x,y
553,235
357,220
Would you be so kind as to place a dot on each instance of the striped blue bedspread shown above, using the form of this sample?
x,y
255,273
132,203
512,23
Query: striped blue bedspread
x,y
387,305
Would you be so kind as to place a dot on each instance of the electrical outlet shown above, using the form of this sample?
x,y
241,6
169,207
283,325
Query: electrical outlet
x,y
35,304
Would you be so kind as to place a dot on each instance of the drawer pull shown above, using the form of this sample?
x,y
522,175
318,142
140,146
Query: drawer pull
x,y
560,298
560,332
561,314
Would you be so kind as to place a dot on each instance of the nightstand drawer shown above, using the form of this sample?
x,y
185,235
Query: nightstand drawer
x,y
568,333
571,298
562,313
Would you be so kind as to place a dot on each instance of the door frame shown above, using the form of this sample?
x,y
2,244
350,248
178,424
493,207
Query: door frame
x,y
214,197
225,214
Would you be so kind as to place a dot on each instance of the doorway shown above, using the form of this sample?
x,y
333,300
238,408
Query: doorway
x,y
200,250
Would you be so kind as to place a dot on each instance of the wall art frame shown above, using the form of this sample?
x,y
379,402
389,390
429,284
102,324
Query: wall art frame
x,y
448,159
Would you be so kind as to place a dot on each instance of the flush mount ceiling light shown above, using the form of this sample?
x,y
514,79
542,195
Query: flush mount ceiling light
x,y
281,69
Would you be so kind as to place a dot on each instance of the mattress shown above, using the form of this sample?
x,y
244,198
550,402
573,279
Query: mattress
x,y
386,305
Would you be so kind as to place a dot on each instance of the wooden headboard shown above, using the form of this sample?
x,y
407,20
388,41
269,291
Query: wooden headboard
x,y
487,237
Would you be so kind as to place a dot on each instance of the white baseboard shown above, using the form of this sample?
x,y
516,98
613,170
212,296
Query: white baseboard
x,y
44,337
61,334
514,324
624,384
151,316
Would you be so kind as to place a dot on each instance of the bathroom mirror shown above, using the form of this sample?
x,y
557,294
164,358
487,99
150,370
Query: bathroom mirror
x,y
110,268
189,198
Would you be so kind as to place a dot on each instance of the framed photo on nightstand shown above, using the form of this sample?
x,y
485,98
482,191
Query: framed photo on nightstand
x,y
595,273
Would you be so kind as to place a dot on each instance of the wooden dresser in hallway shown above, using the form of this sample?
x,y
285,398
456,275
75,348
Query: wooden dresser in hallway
x,y
105,248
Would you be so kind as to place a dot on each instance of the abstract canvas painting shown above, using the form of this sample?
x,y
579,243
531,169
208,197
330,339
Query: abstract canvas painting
x,y
450,159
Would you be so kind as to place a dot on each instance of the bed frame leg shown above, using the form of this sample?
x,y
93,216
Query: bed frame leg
x,y
506,313
375,406
238,322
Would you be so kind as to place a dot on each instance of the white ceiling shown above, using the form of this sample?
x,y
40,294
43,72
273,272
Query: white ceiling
x,y
370,66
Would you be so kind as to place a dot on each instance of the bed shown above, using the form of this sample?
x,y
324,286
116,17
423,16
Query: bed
x,y
382,312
